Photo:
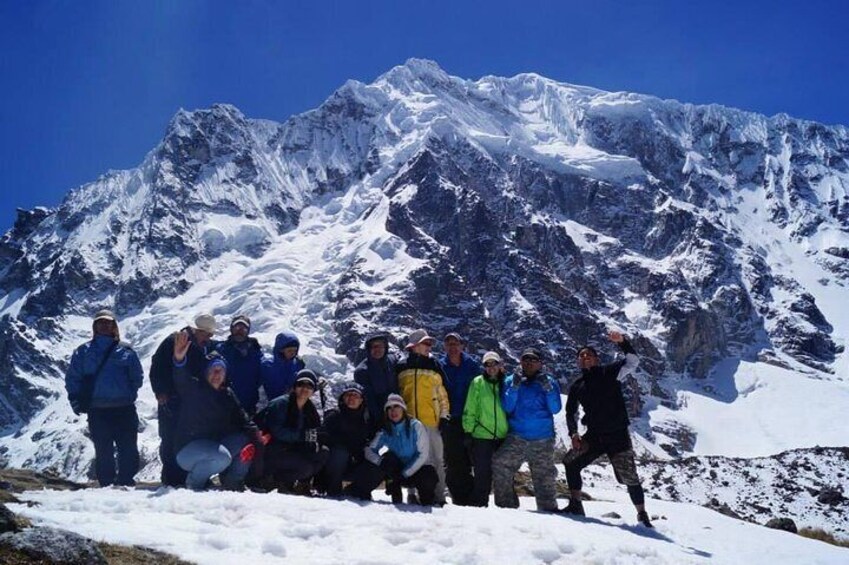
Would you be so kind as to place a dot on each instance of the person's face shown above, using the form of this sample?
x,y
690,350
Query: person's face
x,y
352,400
105,327
587,359
289,353
377,349
423,348
239,332
216,377
303,391
453,347
531,365
202,337
492,368
395,414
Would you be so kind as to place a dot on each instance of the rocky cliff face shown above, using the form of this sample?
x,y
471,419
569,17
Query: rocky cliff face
x,y
519,211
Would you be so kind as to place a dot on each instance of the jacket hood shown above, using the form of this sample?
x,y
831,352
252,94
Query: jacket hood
x,y
285,339
380,336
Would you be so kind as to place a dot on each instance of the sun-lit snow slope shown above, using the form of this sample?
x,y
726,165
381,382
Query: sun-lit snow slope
x,y
223,528
758,410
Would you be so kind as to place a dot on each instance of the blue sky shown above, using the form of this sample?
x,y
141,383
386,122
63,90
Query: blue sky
x,y
89,86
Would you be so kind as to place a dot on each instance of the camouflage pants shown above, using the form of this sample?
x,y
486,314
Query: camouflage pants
x,y
624,466
540,457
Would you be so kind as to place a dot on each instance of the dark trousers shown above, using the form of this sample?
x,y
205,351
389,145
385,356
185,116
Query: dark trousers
x,y
482,452
339,464
368,475
458,463
283,464
115,430
617,446
172,474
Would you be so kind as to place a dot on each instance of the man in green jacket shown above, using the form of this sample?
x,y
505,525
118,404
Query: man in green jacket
x,y
486,422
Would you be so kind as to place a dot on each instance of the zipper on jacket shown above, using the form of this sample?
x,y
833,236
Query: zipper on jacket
x,y
495,412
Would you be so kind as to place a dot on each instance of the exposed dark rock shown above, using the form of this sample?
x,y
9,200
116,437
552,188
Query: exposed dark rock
x,y
54,546
785,524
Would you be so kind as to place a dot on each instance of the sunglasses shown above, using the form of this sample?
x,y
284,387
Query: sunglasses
x,y
531,360
491,364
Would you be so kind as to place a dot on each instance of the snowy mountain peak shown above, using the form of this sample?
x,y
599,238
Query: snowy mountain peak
x,y
519,211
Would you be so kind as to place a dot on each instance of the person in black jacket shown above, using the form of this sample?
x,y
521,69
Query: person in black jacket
x,y
294,454
347,432
599,393
213,436
162,382
376,374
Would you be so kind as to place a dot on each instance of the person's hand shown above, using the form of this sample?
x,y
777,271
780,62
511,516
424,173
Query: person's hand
x,y
246,455
616,337
546,385
518,379
444,422
264,438
181,345
577,442
311,435
75,405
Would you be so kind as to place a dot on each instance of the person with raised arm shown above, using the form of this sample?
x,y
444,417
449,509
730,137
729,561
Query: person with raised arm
x,y
599,393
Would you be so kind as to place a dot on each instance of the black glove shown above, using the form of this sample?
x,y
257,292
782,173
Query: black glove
x,y
444,423
75,405
518,379
546,384
310,435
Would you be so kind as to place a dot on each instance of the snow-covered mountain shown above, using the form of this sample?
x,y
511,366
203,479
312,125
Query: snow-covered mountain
x,y
518,211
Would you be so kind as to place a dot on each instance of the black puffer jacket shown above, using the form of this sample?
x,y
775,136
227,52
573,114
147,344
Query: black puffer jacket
x,y
351,429
207,413
599,393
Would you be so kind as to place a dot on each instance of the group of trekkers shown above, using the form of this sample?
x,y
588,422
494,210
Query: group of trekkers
x,y
411,420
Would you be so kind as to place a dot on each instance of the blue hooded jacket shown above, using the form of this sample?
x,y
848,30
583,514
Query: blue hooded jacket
x,y
119,380
458,379
278,374
244,370
530,409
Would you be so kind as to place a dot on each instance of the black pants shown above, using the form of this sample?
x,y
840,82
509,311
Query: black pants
x,y
115,430
286,465
482,452
458,463
368,475
172,474
340,464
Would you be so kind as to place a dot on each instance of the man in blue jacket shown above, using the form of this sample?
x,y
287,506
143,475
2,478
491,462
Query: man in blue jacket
x,y
530,398
112,419
244,363
460,369
279,369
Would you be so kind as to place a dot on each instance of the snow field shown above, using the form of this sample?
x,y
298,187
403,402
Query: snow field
x,y
223,528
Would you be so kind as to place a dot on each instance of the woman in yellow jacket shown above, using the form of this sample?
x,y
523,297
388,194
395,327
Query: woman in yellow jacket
x,y
420,380
486,422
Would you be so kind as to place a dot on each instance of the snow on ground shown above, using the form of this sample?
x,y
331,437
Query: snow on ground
x,y
219,527
758,410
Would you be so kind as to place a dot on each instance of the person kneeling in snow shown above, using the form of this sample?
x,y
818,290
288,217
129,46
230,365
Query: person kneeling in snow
x,y
294,454
599,393
213,434
347,431
404,462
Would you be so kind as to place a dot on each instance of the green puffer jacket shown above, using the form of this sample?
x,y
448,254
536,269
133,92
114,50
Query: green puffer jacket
x,y
483,416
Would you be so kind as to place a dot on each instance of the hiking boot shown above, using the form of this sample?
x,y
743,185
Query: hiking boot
x,y
303,488
643,518
575,508
411,498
